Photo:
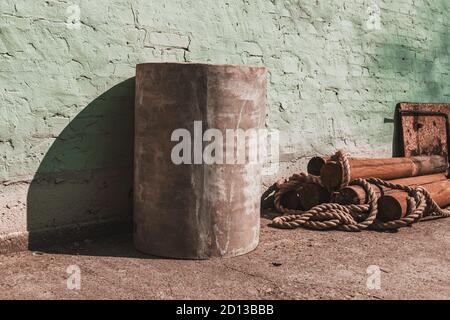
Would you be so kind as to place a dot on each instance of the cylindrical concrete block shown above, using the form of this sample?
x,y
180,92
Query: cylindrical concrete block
x,y
185,204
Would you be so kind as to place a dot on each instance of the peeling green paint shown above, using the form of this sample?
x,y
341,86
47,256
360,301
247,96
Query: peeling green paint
x,y
332,81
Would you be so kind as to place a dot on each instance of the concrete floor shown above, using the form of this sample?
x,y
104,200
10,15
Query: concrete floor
x,y
288,264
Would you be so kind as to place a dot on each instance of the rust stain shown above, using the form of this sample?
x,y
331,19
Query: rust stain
x,y
424,135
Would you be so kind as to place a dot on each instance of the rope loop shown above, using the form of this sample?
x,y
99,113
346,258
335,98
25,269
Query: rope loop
x,y
341,158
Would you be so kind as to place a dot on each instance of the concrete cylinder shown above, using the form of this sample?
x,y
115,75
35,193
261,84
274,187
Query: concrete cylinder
x,y
187,203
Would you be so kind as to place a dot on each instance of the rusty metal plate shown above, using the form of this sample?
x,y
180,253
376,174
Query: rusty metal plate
x,y
423,128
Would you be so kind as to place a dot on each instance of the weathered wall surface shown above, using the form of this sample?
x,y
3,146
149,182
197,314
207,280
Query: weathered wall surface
x,y
337,69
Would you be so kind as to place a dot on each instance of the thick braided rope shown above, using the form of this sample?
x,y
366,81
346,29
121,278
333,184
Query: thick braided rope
x,y
267,197
333,215
292,184
419,198
341,158
353,217
433,208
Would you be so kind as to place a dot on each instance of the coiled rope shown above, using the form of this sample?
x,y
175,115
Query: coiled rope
x,y
348,217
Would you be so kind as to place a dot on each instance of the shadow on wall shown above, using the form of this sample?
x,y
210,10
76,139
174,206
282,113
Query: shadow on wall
x,y
83,185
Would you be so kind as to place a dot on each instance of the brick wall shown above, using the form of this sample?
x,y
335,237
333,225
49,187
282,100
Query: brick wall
x,y
337,69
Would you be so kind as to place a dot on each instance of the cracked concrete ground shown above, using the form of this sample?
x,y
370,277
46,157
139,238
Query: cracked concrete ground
x,y
288,264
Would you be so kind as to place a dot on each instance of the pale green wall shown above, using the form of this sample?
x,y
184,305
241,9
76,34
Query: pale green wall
x,y
332,83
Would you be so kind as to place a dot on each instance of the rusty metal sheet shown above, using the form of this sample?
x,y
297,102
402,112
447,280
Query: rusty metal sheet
x,y
192,209
424,134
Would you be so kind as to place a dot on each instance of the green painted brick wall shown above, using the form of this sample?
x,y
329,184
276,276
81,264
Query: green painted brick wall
x,y
66,96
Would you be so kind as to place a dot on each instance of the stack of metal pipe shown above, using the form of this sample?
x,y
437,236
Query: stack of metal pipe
x,y
429,172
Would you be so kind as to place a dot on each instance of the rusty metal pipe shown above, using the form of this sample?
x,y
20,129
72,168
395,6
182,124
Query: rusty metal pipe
x,y
394,205
384,168
312,194
316,164
357,194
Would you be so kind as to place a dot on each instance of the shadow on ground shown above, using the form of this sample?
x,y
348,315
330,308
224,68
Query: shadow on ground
x,y
117,245
83,185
